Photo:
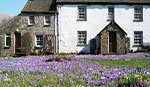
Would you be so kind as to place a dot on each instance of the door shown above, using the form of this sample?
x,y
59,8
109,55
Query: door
x,y
112,42
49,47
17,41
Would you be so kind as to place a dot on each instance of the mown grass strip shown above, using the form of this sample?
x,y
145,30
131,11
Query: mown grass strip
x,y
133,63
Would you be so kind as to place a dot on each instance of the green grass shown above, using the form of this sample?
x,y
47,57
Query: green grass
x,y
133,63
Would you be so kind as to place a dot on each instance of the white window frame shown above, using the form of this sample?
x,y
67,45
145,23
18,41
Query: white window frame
x,y
82,38
138,38
46,19
82,13
36,44
6,36
111,13
29,20
138,13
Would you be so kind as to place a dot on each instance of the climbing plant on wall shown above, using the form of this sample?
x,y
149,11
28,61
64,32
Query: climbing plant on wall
x,y
27,42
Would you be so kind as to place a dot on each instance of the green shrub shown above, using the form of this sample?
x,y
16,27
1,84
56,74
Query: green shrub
x,y
0,50
127,41
27,42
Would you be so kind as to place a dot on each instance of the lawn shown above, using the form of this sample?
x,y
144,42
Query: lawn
x,y
131,63
81,71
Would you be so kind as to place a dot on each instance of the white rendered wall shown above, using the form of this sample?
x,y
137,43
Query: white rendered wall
x,y
97,16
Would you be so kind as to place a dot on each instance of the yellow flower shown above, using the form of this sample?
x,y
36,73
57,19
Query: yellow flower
x,y
126,77
136,75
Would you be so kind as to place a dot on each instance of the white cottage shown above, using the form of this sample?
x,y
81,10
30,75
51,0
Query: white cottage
x,y
102,26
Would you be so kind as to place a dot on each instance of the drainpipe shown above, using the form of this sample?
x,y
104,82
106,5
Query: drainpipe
x,y
57,33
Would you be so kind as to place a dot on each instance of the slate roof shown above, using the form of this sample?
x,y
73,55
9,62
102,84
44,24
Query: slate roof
x,y
39,6
106,1
49,6
112,23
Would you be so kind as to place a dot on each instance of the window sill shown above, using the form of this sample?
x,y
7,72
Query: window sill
x,y
137,20
46,25
81,20
38,47
6,47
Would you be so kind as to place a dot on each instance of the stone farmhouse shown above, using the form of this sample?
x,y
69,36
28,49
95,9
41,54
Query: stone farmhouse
x,y
79,26
37,17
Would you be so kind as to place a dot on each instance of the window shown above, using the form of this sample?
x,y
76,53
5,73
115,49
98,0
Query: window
x,y
138,37
31,20
82,37
81,13
39,40
110,13
8,40
47,20
138,13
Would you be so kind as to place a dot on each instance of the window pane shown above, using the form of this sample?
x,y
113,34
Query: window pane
x,y
138,37
111,13
47,19
31,19
82,12
8,39
138,13
39,40
81,37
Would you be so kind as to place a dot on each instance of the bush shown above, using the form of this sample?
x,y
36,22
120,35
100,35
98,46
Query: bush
x,y
127,41
27,42
146,48
62,58
0,50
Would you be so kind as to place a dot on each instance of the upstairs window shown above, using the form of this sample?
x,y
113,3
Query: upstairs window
x,y
82,38
47,20
82,13
110,13
138,38
39,40
138,13
31,20
7,40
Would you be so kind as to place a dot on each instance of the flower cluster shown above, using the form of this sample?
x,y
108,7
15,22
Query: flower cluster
x,y
34,71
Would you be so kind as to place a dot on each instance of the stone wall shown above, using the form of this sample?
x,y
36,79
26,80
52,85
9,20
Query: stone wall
x,y
104,42
20,24
120,37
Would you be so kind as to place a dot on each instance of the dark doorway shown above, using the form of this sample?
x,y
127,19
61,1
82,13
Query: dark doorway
x,y
92,46
17,42
112,42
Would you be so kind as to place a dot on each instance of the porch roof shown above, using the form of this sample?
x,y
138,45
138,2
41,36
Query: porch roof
x,y
114,23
